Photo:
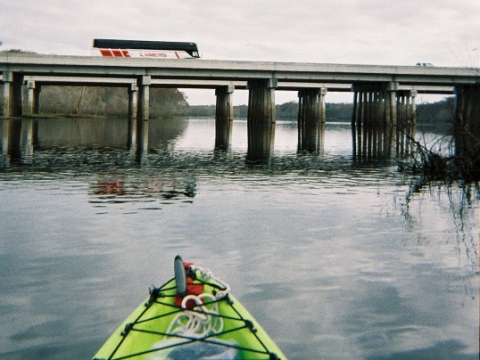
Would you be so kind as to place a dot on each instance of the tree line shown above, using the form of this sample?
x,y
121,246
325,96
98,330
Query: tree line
x,y
168,103
440,111
108,101
285,111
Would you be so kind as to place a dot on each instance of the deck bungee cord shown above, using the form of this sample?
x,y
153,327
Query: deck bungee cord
x,y
192,316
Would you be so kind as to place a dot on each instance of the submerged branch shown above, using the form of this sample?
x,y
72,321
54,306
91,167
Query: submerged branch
x,y
431,165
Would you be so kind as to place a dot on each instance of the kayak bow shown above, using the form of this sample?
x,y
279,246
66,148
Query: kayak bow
x,y
192,316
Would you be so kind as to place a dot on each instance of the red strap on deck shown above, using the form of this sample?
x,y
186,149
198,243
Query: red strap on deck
x,y
192,289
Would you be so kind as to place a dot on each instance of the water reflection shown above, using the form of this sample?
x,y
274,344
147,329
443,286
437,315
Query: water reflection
x,y
449,349
311,137
456,201
154,189
20,137
17,139
372,140
378,140
261,138
367,266
223,134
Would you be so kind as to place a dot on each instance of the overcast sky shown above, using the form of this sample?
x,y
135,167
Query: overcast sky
x,y
386,32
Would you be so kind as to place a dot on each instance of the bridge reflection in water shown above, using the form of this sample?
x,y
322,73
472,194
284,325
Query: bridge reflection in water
x,y
16,140
378,140
20,137
372,138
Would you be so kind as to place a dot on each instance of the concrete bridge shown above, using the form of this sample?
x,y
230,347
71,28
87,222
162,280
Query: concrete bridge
x,y
261,78
381,94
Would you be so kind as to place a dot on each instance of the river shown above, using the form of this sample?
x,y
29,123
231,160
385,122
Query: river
x,y
337,259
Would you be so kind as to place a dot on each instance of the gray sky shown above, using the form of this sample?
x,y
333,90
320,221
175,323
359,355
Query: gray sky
x,y
386,32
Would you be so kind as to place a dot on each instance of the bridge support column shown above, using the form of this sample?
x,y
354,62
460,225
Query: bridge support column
x,y
11,95
223,117
32,105
143,84
16,95
133,101
261,120
311,105
374,118
467,123
143,113
261,101
7,79
261,139
406,120
311,115
391,89
132,117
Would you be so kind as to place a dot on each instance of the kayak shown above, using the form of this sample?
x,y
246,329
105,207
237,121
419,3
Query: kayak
x,y
192,316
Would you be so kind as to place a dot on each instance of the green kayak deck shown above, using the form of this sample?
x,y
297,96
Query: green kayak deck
x,y
192,316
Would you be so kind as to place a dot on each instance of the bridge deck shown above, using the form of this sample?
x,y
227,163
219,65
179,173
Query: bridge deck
x,y
83,66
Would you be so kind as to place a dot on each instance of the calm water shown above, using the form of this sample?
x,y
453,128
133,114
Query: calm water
x,y
337,260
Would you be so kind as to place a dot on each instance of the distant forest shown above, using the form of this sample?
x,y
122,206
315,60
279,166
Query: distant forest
x,y
441,111
168,103
108,101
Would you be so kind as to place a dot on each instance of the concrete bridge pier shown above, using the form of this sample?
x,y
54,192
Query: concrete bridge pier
x,y
32,101
261,120
11,94
311,118
406,121
132,118
467,122
311,105
143,104
374,119
143,114
223,117
261,101
261,138
390,89
7,79
133,101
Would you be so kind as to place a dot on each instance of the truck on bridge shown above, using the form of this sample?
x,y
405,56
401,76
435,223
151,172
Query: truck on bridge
x,y
145,49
